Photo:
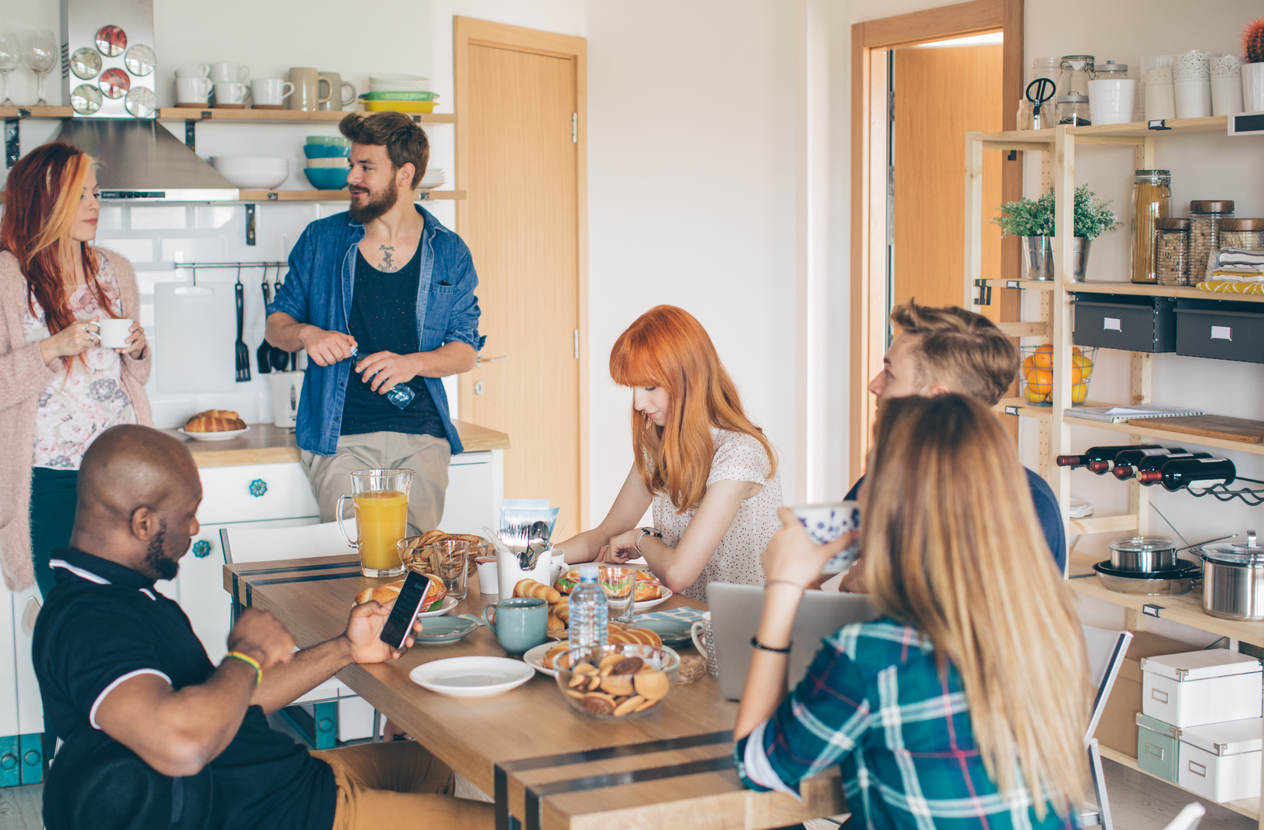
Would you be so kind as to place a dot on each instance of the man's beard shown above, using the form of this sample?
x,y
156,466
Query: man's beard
x,y
372,208
155,557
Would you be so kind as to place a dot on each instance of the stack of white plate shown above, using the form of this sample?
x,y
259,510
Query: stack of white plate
x,y
252,171
435,177
391,82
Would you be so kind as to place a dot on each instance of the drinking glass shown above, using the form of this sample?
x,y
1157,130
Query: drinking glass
x,y
10,59
380,501
41,56
620,587
447,559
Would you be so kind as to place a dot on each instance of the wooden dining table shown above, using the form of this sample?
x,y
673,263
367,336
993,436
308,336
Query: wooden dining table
x,y
548,766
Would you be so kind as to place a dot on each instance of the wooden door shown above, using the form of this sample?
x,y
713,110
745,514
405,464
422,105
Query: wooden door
x,y
519,162
941,93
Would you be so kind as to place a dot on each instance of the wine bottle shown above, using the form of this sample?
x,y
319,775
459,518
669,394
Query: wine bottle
x,y
1100,454
1192,473
1131,456
1123,472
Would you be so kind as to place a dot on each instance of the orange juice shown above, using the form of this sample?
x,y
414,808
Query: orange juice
x,y
382,519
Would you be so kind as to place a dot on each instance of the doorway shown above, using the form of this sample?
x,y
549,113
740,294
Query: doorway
x,y
520,156
908,171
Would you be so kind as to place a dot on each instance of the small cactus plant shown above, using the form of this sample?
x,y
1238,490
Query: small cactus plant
x,y
1253,42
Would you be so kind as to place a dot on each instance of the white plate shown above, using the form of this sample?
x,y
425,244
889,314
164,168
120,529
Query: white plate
x,y
535,658
448,604
647,604
472,676
215,436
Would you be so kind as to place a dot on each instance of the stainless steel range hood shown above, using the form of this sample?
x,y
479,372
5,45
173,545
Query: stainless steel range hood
x,y
140,160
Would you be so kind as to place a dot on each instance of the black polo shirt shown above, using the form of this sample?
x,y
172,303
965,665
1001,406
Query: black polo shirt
x,y
104,623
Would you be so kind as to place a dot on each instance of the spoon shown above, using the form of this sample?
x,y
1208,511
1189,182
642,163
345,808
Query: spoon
x,y
537,541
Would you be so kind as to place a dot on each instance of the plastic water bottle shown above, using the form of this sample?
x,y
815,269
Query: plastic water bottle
x,y
401,394
590,618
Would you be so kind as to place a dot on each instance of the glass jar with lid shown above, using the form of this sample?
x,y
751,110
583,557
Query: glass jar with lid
x,y
1246,234
1151,201
1204,233
1171,251
1073,110
1111,71
1075,73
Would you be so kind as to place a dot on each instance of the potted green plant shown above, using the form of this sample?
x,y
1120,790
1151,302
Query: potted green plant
x,y
1033,221
1253,66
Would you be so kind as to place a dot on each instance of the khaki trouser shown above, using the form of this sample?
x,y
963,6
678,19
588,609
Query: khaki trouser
x,y
399,785
425,455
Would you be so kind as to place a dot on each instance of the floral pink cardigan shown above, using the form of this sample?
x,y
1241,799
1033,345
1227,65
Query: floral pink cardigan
x,y
23,376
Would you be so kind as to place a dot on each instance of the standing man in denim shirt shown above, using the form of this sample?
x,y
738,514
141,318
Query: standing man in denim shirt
x,y
387,280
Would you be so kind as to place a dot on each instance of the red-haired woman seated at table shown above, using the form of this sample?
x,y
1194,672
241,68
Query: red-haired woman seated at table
x,y
709,473
965,704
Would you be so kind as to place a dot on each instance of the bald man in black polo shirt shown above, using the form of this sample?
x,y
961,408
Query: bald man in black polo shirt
x,y
116,660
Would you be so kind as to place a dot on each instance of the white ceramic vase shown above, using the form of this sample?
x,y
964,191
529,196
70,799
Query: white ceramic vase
x,y
1253,87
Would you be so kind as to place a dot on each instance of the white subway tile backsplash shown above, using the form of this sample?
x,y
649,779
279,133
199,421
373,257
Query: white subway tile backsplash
x,y
110,219
217,216
136,250
213,249
159,218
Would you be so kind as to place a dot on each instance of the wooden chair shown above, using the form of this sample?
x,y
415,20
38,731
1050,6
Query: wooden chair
x,y
1106,650
332,700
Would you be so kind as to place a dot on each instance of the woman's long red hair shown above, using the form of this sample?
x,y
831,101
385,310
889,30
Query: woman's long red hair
x,y
667,347
41,199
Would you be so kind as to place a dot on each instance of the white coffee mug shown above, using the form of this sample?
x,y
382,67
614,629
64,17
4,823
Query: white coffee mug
x,y
270,92
700,633
193,90
197,70
231,93
113,333
227,71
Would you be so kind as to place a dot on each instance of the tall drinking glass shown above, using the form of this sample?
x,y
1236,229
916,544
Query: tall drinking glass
x,y
380,499
41,55
10,59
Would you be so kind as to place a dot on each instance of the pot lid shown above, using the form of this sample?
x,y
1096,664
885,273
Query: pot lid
x,y
1200,665
1236,553
1227,738
1145,544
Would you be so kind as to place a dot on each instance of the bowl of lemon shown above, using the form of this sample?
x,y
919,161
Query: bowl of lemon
x,y
1036,375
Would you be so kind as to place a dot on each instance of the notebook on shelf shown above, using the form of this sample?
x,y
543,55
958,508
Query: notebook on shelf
x,y
1118,414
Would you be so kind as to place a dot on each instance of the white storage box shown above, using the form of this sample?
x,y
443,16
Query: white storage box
x,y
1221,761
1200,687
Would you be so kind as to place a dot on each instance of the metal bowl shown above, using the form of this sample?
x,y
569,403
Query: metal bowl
x,y
1143,554
1169,582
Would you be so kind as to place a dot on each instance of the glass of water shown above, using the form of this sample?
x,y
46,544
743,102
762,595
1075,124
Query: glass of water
x,y
620,587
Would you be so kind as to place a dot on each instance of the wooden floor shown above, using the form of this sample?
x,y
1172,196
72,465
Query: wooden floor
x,y
1138,802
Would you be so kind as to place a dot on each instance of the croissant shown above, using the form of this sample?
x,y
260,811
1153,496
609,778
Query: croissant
x,y
557,628
531,588
639,636
562,609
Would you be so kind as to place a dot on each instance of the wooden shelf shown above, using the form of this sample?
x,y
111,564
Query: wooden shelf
x,y
1249,807
1020,407
1186,609
337,195
283,116
1028,285
1140,289
1122,134
36,112
1089,525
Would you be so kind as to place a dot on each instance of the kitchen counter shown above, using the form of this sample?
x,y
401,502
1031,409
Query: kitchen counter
x,y
267,444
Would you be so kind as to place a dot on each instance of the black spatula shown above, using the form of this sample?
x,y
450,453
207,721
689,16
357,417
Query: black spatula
x,y
263,354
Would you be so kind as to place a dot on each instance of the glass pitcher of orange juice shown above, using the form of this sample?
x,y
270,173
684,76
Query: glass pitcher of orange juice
x,y
380,500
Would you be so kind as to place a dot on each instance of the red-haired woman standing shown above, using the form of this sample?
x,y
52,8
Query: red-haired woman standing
x,y
709,473
60,387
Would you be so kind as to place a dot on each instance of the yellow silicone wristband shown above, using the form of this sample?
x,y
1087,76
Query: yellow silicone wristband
x,y
247,659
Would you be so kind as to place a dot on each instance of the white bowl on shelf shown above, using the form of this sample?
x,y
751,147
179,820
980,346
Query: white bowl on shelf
x,y
252,171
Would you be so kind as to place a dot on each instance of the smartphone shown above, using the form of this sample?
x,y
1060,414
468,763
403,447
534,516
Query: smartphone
x,y
825,523
400,623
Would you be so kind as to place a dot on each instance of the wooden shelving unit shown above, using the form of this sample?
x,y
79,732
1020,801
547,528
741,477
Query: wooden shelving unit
x,y
1059,147
282,116
337,195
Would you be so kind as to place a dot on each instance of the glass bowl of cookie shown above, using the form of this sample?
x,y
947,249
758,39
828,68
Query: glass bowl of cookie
x,y
615,682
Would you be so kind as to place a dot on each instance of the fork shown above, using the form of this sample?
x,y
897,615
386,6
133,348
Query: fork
x,y
243,352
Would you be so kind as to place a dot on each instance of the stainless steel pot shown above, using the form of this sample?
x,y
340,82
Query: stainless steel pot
x,y
1143,554
1171,582
1233,580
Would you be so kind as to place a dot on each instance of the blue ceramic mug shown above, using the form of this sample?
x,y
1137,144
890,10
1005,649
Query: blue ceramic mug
x,y
519,623
825,523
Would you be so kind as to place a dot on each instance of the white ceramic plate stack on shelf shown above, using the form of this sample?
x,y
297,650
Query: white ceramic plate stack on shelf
x,y
434,177
252,171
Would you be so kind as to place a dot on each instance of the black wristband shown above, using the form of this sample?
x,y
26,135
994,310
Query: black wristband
x,y
757,644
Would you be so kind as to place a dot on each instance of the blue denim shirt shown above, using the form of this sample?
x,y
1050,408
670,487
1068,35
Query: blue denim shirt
x,y
317,291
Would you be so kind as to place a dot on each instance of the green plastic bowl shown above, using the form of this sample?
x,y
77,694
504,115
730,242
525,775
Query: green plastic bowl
x,y
398,96
335,140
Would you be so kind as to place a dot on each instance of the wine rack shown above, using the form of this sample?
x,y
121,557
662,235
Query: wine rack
x,y
1221,492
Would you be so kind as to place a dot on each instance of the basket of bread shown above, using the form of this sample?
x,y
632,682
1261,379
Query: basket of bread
x,y
617,680
417,559
214,425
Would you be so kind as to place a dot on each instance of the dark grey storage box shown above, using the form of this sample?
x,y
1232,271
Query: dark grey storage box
x,y
1220,330
1123,321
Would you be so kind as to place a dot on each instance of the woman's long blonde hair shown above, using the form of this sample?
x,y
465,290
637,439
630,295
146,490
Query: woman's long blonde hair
x,y
953,547
668,348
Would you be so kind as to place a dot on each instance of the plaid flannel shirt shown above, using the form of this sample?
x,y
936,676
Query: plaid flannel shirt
x,y
875,703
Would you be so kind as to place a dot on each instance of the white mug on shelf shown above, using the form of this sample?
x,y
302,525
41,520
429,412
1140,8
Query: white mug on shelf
x,y
193,90
197,70
270,92
229,72
230,93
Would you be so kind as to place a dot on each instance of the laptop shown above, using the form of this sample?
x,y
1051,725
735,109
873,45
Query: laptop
x,y
735,612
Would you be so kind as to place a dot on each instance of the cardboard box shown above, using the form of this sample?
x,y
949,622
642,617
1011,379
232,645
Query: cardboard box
x,y
1118,727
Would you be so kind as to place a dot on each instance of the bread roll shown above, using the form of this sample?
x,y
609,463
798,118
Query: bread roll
x,y
638,636
215,420
557,628
380,593
531,588
563,610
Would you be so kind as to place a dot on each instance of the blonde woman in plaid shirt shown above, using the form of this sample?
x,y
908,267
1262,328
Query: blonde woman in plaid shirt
x,y
965,703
